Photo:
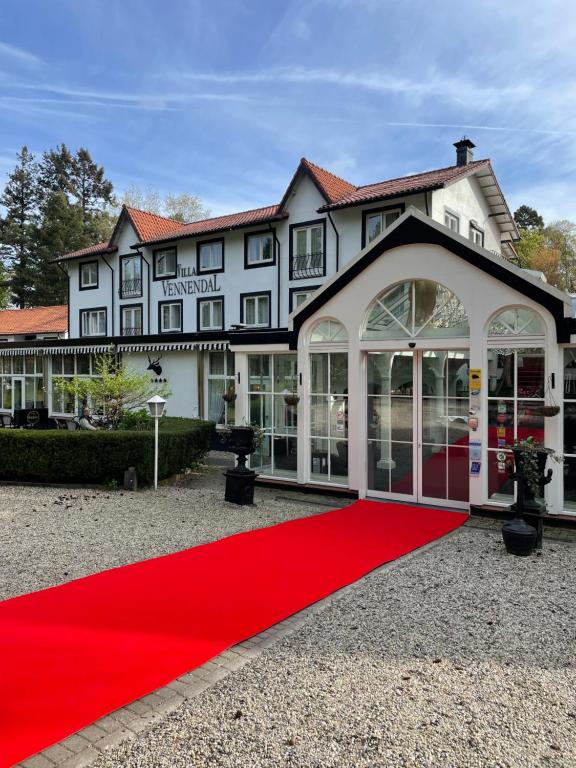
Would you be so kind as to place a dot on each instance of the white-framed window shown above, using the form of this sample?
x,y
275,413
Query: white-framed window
x,y
256,310
211,256
221,382
164,263
131,279
210,314
259,249
476,235
378,221
29,391
451,221
66,367
93,322
307,251
170,316
297,298
89,275
132,320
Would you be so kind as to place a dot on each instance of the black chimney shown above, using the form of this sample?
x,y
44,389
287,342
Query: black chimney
x,y
464,154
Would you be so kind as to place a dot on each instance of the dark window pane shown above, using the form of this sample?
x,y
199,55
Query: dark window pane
x,y
530,420
500,373
500,423
570,484
569,427
434,472
402,474
500,487
530,371
379,464
458,486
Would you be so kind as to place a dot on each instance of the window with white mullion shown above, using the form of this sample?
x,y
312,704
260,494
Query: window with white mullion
x,y
451,221
211,315
257,311
171,317
93,322
378,221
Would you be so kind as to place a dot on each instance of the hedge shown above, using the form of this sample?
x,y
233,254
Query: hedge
x,y
58,456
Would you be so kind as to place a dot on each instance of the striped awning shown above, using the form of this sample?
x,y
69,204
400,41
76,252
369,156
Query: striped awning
x,y
68,350
191,346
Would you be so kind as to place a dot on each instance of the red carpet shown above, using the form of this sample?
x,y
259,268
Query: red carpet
x,y
73,653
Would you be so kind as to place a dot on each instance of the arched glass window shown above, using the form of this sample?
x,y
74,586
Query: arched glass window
x,y
517,321
416,308
328,332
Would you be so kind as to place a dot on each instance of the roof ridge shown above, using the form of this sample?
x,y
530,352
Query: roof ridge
x,y
235,213
324,170
424,173
156,215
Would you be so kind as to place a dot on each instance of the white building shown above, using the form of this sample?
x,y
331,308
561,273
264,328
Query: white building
x,y
371,304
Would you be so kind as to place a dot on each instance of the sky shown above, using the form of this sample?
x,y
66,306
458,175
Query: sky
x,y
221,98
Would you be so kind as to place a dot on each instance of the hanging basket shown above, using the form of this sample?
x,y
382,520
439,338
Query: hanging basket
x,y
229,397
549,410
291,399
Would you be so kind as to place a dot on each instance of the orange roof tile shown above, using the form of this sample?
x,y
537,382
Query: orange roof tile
x,y
90,250
34,320
406,184
150,226
222,223
333,187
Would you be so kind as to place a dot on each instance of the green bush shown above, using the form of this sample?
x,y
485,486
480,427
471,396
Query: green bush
x,y
58,456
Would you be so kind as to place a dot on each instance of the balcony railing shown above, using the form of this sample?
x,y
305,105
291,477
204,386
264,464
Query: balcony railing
x,y
132,331
307,265
130,289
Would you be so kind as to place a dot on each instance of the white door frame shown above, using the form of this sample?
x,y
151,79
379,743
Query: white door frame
x,y
21,380
417,356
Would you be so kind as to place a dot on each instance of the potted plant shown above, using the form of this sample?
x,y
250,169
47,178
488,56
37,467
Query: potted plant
x,y
230,395
529,472
291,398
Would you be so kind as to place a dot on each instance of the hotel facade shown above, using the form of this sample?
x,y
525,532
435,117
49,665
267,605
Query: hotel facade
x,y
382,336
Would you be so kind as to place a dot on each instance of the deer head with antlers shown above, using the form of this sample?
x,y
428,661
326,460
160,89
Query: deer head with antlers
x,y
155,365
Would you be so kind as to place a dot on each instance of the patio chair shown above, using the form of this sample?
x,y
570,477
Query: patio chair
x,y
6,421
72,425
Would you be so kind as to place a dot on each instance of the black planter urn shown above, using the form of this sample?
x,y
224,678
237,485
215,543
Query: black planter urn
x,y
519,537
240,480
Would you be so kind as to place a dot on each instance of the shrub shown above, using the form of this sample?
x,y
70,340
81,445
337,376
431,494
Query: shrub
x,y
57,456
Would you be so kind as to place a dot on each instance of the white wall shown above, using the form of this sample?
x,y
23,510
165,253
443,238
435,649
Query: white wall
x,y
466,199
180,369
482,296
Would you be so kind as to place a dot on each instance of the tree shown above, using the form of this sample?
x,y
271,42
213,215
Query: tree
x,y
89,188
116,389
59,231
183,207
55,172
561,236
528,218
4,287
17,227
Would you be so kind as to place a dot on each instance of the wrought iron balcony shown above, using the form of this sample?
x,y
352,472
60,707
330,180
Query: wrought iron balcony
x,y
137,331
130,289
307,265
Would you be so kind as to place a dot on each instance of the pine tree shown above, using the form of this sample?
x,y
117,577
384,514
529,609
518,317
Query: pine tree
x,y
90,189
17,227
60,230
55,172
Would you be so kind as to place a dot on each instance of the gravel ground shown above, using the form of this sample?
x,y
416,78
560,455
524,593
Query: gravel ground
x,y
459,657
50,535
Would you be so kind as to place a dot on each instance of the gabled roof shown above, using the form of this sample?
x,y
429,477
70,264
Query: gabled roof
x,y
34,320
330,186
418,182
91,250
150,226
221,224
413,226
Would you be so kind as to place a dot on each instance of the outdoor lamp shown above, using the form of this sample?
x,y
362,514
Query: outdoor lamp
x,y
156,407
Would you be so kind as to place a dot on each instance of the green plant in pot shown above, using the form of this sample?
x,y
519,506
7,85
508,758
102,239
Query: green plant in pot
x,y
529,472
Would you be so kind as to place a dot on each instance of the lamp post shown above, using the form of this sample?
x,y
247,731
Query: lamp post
x,y
156,407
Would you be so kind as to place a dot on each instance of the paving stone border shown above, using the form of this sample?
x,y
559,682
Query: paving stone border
x,y
85,747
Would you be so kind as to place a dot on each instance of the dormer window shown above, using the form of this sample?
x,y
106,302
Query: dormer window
x,y
377,220
164,263
88,275
476,235
451,221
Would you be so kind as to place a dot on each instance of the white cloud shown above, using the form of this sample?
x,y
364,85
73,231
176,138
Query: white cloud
x,y
18,54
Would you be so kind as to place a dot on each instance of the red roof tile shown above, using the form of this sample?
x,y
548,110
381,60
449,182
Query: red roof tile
x,y
406,184
333,187
90,250
150,226
222,223
34,320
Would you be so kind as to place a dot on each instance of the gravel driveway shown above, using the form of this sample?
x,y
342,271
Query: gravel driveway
x,y
459,656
